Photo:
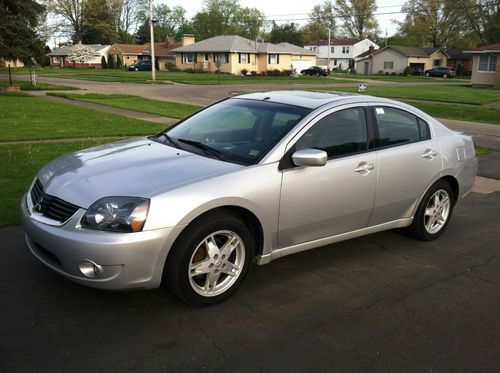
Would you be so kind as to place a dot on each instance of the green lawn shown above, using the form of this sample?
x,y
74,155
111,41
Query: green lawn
x,y
119,75
441,93
19,165
470,113
164,108
26,86
399,78
24,117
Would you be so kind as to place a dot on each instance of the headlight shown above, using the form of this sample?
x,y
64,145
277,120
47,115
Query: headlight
x,y
117,214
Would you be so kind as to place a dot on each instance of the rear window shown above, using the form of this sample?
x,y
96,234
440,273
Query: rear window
x,y
396,126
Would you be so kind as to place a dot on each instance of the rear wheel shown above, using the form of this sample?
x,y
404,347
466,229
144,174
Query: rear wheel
x,y
210,259
136,69
427,74
445,75
434,212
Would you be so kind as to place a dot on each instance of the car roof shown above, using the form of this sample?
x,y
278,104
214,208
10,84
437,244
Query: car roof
x,y
308,99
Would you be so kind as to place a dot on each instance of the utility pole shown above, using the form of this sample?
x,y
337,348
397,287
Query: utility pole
x,y
153,67
329,48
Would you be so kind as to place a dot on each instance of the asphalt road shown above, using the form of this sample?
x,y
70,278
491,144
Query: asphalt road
x,y
380,303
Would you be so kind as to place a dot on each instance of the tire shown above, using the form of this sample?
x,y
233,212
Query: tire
x,y
427,75
200,249
434,212
445,76
136,69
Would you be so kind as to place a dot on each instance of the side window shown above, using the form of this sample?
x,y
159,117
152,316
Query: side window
x,y
338,134
397,126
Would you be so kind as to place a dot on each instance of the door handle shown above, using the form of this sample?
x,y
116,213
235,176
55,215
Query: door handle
x,y
429,154
364,168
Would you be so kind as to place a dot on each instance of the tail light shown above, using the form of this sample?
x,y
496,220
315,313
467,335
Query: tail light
x,y
474,147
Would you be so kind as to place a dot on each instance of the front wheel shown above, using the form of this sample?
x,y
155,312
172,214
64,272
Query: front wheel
x,y
210,259
427,74
434,212
445,76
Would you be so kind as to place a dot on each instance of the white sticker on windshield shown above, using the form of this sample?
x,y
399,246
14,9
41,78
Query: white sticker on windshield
x,y
253,153
380,110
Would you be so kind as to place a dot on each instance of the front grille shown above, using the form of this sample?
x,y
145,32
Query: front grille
x,y
50,206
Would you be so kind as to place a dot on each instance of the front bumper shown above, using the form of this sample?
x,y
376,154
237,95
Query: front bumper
x,y
128,260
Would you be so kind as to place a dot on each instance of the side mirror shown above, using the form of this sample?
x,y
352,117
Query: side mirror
x,y
309,158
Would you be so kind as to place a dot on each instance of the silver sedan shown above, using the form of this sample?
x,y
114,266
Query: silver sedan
x,y
251,178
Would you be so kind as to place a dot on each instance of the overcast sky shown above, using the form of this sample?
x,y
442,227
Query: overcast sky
x,y
293,9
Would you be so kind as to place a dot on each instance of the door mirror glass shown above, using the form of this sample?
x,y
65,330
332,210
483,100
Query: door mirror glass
x,y
309,158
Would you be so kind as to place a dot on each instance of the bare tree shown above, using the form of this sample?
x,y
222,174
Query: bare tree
x,y
70,15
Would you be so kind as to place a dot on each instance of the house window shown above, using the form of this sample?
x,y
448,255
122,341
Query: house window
x,y
274,59
487,63
332,49
335,62
345,50
243,57
188,58
389,65
222,57
206,57
437,62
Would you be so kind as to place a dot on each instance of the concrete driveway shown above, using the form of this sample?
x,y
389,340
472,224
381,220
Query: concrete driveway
x,y
380,303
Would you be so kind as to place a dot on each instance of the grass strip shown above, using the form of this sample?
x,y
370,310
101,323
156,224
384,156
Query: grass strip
x,y
25,118
20,164
438,93
163,108
26,86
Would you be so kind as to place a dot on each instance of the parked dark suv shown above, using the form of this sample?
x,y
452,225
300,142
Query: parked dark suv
x,y
144,65
442,71
315,70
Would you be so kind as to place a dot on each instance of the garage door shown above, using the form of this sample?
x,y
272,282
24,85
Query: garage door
x,y
301,65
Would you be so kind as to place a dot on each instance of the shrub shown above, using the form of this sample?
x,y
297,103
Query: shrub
x,y
119,62
460,70
393,73
171,66
387,73
286,72
253,73
111,61
244,72
407,71
104,64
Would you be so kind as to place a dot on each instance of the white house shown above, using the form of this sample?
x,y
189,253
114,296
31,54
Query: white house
x,y
342,52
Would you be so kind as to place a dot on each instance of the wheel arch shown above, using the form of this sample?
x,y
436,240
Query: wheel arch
x,y
250,220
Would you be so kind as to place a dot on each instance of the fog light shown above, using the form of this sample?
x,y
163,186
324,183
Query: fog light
x,y
89,268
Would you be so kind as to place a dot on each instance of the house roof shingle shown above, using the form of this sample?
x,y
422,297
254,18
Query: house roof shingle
x,y
67,49
235,43
486,49
334,42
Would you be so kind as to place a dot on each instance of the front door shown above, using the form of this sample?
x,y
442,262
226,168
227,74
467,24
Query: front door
x,y
367,64
319,202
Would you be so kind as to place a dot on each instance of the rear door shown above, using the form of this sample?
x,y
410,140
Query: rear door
x,y
408,160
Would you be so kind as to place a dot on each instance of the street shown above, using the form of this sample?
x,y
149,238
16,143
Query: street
x,y
384,302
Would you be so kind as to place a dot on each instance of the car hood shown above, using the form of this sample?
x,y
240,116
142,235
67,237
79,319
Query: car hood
x,y
138,167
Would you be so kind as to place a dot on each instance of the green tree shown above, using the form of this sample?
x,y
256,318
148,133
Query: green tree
x,y
99,23
432,23
321,19
287,32
19,20
167,22
104,64
227,17
482,17
358,18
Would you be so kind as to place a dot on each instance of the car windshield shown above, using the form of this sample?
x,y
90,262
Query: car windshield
x,y
236,130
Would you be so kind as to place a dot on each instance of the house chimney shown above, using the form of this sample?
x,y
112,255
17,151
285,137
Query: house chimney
x,y
187,39
169,40
371,48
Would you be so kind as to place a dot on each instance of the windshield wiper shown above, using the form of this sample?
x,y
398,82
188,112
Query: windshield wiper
x,y
169,139
207,149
